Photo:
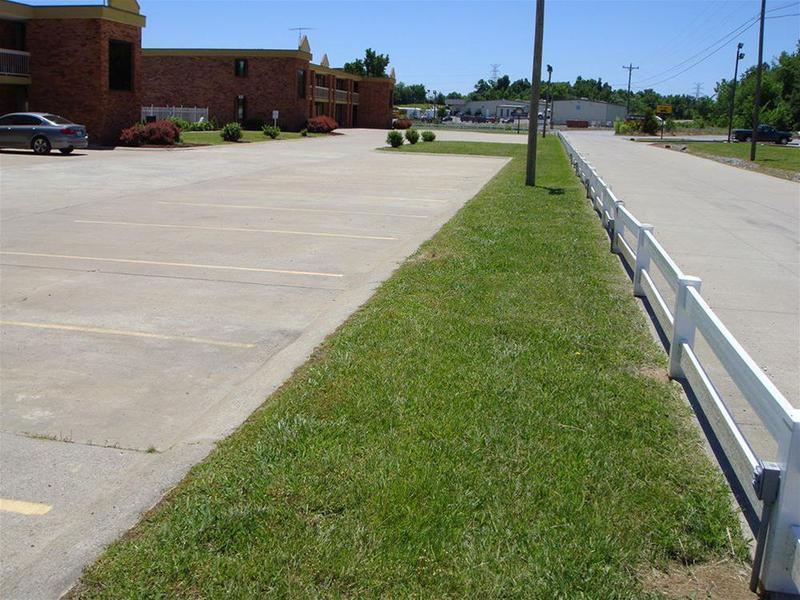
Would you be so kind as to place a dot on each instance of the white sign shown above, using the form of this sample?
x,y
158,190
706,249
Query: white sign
x,y
274,115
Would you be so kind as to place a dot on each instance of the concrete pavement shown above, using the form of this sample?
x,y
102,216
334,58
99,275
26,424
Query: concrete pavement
x,y
737,230
152,299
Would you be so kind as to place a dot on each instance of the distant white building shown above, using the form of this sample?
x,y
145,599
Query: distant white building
x,y
596,113
500,109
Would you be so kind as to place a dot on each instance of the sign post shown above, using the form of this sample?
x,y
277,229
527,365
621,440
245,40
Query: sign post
x,y
662,110
274,118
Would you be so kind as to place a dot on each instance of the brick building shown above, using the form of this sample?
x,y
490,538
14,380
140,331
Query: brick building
x,y
87,63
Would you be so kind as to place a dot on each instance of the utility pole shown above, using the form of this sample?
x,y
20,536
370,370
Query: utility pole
x,y
739,56
546,101
757,99
536,84
630,69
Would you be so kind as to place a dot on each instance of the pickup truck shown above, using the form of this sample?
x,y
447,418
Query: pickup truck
x,y
764,133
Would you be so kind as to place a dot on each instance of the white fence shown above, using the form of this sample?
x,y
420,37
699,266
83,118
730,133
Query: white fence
x,y
193,114
771,489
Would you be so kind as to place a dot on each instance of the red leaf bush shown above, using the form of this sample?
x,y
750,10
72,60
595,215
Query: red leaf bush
x,y
158,133
321,124
401,123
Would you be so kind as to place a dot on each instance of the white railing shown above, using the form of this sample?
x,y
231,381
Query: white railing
x,y
193,114
14,62
320,93
355,97
771,489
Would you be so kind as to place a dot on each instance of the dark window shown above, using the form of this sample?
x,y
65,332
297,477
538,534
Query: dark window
x,y
25,120
341,84
301,83
7,120
241,108
120,65
240,67
355,87
320,80
18,32
58,120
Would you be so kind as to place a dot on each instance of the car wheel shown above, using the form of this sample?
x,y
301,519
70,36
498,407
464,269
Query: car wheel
x,y
66,151
748,139
783,141
41,145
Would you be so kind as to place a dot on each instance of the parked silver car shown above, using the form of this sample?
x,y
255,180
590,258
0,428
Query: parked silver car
x,y
41,132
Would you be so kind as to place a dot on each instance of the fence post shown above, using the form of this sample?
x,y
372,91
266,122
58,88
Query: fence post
x,y
617,227
642,259
782,552
683,326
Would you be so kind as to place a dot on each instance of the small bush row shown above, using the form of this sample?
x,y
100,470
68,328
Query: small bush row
x,y
158,133
271,131
185,125
395,139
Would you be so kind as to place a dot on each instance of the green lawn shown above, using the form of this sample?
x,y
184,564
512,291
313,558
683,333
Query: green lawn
x,y
488,424
773,156
213,137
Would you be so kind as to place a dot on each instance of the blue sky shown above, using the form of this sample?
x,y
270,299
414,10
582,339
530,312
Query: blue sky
x,y
450,45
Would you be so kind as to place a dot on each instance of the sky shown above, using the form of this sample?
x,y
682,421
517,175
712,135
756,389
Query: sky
x,y
450,45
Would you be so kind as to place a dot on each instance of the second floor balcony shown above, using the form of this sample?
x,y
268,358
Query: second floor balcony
x,y
15,64
320,93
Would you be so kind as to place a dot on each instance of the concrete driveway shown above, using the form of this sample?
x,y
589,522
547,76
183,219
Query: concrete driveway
x,y
152,299
739,231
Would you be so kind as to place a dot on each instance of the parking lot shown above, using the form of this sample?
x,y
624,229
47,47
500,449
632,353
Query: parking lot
x,y
152,299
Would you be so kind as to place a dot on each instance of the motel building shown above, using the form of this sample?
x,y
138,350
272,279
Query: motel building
x,y
87,64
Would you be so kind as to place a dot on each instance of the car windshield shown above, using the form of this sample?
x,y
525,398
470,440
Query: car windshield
x,y
58,120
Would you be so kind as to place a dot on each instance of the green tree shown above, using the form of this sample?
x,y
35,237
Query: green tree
x,y
373,64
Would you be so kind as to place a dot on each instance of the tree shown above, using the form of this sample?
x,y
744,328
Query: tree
x,y
373,65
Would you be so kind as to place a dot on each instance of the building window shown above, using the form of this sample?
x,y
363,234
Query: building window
x,y
241,108
120,65
355,87
301,83
319,80
240,67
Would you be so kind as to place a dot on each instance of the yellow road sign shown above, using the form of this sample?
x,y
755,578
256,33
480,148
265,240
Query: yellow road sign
x,y
664,109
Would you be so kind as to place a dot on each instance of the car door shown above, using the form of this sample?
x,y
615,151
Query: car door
x,y
5,131
765,133
23,129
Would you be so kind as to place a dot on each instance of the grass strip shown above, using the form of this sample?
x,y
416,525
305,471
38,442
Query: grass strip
x,y
213,138
487,424
771,156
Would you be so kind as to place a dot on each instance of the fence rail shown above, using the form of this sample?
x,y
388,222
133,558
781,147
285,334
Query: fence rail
x,y
14,62
193,114
320,93
771,489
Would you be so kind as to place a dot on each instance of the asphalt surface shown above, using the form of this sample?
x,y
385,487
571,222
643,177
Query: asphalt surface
x,y
739,231
152,299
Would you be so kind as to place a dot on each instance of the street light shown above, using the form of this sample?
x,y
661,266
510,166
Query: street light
x,y
739,56
546,101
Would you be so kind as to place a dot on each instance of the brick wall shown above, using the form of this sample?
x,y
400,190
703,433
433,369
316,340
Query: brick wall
x,y
375,103
210,81
70,77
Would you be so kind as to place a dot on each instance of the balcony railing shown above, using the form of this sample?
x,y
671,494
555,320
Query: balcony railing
x,y
341,96
14,62
320,93
355,97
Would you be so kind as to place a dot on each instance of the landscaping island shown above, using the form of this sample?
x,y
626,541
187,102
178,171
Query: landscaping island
x,y
493,422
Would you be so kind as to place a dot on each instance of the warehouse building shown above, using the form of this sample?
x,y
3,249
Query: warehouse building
x,y
594,113
87,64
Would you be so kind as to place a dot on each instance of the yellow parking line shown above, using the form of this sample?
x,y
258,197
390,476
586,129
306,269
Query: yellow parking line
x,y
283,208
24,508
243,229
172,264
139,334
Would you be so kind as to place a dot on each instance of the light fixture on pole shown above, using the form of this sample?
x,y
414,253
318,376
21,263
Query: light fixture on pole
x,y
739,56
546,100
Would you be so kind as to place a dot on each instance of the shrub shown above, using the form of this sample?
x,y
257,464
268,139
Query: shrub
x,y
650,124
321,124
132,136
394,139
253,124
162,133
231,132
182,124
624,127
304,132
402,123
428,136
412,135
271,131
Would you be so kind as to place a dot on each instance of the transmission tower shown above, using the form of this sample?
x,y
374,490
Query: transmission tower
x,y
495,71
698,87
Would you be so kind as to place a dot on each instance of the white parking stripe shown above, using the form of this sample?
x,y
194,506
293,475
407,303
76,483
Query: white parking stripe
x,y
140,334
172,264
238,229
308,210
